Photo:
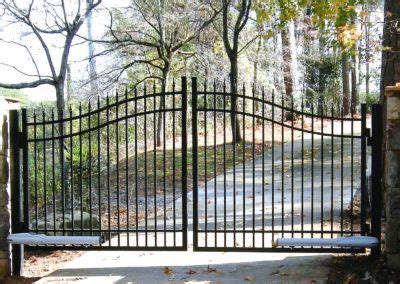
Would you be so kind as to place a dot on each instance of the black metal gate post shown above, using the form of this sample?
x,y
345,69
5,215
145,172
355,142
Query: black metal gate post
x,y
184,160
25,165
17,215
376,190
364,136
194,160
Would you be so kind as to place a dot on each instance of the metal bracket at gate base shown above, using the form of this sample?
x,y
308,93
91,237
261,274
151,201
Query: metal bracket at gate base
x,y
349,242
33,239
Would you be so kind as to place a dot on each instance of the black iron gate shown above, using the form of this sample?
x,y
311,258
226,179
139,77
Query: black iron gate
x,y
120,170
295,170
102,171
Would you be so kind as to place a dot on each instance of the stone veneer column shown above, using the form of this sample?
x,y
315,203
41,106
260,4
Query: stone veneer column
x,y
392,176
4,198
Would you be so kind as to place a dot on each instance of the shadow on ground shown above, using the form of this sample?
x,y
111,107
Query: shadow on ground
x,y
180,267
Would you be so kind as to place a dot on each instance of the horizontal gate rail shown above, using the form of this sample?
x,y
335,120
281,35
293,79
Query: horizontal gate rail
x,y
279,123
104,108
276,105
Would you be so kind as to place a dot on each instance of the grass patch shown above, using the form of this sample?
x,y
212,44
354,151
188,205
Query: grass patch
x,y
167,172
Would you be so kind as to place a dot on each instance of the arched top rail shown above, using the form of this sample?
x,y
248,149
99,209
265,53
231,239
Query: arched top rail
x,y
328,134
103,108
274,104
101,125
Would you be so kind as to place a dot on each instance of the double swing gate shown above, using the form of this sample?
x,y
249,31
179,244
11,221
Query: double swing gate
x,y
257,168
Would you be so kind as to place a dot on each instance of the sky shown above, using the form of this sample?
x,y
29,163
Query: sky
x,y
18,56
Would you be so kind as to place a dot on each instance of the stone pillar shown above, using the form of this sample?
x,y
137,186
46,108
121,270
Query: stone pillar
x,y
392,176
4,198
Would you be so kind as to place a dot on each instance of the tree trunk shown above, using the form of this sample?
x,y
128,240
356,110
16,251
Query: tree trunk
x,y
288,67
309,74
346,84
94,88
60,101
390,73
255,71
354,81
166,73
255,64
367,66
235,125
69,86
321,75
276,68
367,49
287,58
354,74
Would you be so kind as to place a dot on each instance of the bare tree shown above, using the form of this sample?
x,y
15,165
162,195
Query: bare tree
x,y
158,32
94,87
58,20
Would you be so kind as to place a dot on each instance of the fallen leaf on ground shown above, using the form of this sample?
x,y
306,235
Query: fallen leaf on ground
x,y
249,278
190,271
168,271
209,269
275,272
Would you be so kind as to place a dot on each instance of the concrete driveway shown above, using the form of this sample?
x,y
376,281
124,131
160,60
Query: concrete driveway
x,y
230,267
193,267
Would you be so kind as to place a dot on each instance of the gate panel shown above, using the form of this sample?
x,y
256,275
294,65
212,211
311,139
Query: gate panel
x,y
118,170
292,173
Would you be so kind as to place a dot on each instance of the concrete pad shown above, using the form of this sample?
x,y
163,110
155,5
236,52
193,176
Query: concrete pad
x,y
193,267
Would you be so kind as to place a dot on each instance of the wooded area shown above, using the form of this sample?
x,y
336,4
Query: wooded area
x,y
324,51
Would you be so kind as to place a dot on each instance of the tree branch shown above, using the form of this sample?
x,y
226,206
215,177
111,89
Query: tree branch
x,y
248,44
28,85
197,32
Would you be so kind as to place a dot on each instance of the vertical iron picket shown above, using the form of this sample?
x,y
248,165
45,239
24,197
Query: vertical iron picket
x,y
127,168
117,168
184,163
195,163
89,162
44,170
155,155
53,173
